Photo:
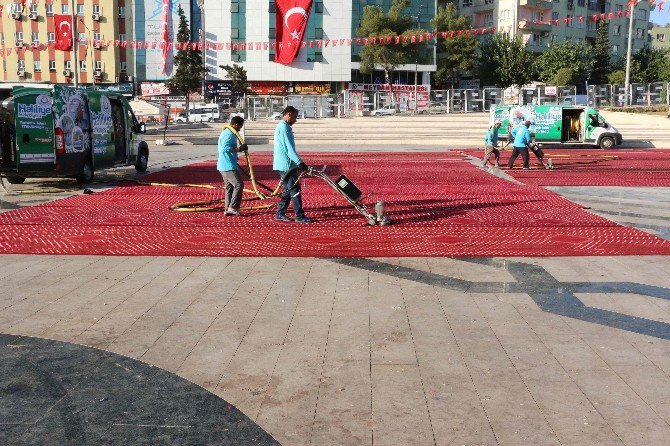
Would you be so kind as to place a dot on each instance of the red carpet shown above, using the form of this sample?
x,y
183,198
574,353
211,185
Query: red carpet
x,y
441,205
594,167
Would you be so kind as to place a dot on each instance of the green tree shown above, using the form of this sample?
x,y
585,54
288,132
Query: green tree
x,y
602,65
238,77
188,73
564,76
377,23
568,54
457,54
617,77
505,62
651,62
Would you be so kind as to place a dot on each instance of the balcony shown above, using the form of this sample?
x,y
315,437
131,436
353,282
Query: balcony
x,y
540,4
483,5
528,25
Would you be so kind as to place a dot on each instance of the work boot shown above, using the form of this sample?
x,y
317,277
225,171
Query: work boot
x,y
303,219
282,218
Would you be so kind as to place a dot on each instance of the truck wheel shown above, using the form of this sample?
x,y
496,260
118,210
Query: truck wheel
x,y
16,180
142,158
86,174
607,142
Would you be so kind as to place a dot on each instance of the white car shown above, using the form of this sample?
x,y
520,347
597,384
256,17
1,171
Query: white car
x,y
387,110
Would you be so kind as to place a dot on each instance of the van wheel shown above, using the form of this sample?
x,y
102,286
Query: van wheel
x,y
16,180
142,158
86,174
607,142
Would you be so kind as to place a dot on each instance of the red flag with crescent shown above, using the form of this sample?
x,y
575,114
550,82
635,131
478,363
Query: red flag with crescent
x,y
63,23
290,22
165,33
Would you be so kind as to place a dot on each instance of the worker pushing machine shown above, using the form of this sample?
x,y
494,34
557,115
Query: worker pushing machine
x,y
287,162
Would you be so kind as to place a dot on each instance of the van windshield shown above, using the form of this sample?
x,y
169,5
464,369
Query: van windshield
x,y
598,121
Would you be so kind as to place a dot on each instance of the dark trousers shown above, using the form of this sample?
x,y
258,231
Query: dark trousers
x,y
491,150
291,193
524,155
539,154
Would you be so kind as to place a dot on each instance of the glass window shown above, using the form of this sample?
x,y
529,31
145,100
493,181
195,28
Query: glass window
x,y
36,36
123,66
51,37
641,14
82,38
615,49
234,7
554,15
318,7
19,36
52,65
122,37
64,9
122,12
467,3
50,9
98,65
82,65
96,9
22,65
271,34
234,33
618,8
271,7
96,36
640,33
68,65
37,65
318,33
581,2
33,8
80,10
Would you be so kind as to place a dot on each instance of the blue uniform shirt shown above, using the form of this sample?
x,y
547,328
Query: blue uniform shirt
x,y
492,137
522,136
227,155
285,156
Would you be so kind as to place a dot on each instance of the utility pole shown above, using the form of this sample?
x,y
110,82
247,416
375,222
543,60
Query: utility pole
x,y
630,49
75,44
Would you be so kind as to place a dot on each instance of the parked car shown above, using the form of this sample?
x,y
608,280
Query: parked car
x,y
387,110
436,108
203,114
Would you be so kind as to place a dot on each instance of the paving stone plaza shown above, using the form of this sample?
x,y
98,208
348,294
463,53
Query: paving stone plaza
x,y
352,350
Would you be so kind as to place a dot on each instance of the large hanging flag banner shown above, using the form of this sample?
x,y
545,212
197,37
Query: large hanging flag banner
x,y
166,34
63,24
291,20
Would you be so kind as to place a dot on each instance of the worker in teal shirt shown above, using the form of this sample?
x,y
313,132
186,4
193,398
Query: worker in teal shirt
x,y
521,141
230,144
288,163
491,140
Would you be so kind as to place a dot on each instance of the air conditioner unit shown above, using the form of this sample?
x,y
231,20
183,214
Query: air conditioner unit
x,y
67,73
96,16
16,15
32,16
97,44
35,44
97,73
19,43
20,72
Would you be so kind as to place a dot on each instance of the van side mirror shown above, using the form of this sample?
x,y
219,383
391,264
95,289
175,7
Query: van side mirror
x,y
140,128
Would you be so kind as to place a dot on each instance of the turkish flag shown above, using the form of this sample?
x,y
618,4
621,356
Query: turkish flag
x,y
63,32
291,20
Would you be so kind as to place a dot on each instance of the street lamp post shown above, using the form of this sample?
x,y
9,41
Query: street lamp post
x,y
628,54
75,45
201,5
416,65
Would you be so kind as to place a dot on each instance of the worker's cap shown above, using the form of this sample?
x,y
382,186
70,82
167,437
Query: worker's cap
x,y
497,122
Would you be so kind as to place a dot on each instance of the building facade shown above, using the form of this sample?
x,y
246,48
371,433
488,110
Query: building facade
x,y
29,27
506,14
660,36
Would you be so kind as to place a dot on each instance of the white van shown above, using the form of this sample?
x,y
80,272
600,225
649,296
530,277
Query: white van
x,y
207,113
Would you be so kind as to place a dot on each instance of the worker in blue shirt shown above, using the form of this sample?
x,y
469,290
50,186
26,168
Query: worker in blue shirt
x,y
230,144
287,162
491,139
521,141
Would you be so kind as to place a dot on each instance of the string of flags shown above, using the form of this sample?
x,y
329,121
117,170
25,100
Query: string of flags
x,y
167,46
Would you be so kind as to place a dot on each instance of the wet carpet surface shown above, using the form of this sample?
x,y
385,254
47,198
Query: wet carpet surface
x,y
440,205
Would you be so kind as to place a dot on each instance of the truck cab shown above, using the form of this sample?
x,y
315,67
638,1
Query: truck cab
x,y
558,124
68,132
